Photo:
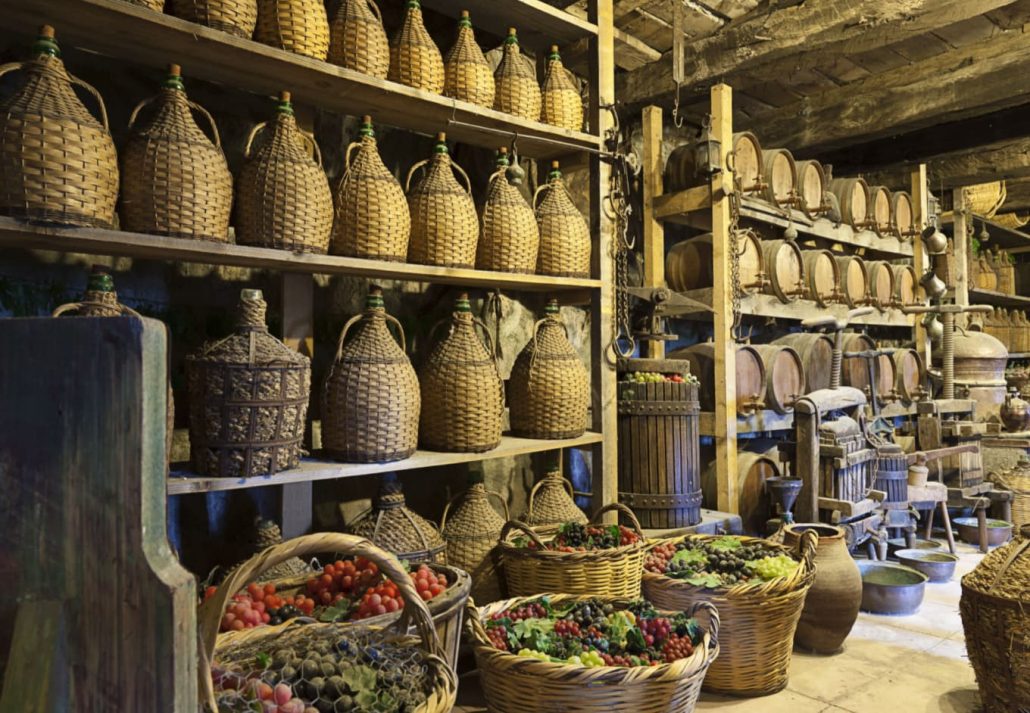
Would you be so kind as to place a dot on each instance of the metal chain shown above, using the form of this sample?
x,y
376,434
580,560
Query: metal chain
x,y
735,234
617,208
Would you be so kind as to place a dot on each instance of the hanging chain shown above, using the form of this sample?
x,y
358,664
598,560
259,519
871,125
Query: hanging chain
x,y
617,208
734,249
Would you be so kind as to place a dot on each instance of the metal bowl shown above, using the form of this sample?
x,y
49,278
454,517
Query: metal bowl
x,y
938,566
891,588
998,531
898,543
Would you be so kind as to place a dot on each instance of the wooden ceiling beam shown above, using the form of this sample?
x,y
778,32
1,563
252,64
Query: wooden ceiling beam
x,y
630,52
1003,160
1017,196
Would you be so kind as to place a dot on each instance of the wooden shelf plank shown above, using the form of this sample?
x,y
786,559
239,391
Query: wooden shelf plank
x,y
126,31
998,299
1000,235
154,247
181,483
539,25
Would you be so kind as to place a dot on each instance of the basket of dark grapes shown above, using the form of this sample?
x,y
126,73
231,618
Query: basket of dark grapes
x,y
759,589
585,654
303,665
591,559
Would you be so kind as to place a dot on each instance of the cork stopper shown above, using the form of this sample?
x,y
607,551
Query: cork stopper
x,y
552,307
466,20
555,173
366,126
45,43
441,143
284,105
512,38
173,78
462,304
502,156
374,300
47,32
554,56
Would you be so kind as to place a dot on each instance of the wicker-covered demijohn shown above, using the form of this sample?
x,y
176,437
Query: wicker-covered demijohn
x,y
371,397
298,26
415,59
467,74
562,104
248,399
471,525
462,391
1017,480
551,503
564,235
282,198
390,524
175,181
444,223
357,39
372,217
57,162
517,91
237,17
157,5
510,239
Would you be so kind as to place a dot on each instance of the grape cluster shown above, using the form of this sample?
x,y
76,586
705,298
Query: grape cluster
x,y
718,562
677,647
575,537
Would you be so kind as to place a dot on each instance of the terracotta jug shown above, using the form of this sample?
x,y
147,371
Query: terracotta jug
x,y
831,606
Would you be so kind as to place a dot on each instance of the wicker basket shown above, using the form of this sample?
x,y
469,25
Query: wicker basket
x,y
57,163
510,238
549,387
564,235
248,399
462,391
1017,480
600,573
551,503
467,74
759,621
216,648
298,26
414,58
444,224
517,91
995,609
1013,221
237,17
357,39
984,199
471,533
174,180
282,198
371,397
372,218
390,524
562,103
157,5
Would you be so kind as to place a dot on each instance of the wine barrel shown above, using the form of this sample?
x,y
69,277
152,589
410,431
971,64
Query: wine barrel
x,y
853,279
909,373
816,352
750,375
853,194
784,268
881,284
755,505
822,276
780,177
688,266
811,186
902,216
880,210
680,172
906,287
784,376
855,371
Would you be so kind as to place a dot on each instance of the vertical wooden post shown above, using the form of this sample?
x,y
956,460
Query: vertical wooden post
x,y
962,251
654,232
298,305
722,300
920,205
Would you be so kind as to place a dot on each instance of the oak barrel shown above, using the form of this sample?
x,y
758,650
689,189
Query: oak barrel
x,y
780,176
880,210
822,276
784,376
816,352
750,375
811,186
854,279
680,172
902,216
881,283
853,194
785,269
688,265
906,287
909,372
855,371
755,505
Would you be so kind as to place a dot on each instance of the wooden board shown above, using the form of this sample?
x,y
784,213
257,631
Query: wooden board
x,y
539,24
654,232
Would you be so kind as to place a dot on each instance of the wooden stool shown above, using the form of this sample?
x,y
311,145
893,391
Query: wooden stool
x,y
928,497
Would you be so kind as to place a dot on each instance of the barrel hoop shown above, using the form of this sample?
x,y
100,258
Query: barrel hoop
x,y
652,501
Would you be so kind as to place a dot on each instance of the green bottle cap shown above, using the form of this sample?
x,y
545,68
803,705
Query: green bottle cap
x,y
284,106
465,20
174,78
502,157
375,298
100,280
441,143
555,173
462,304
512,38
554,56
552,306
366,126
45,43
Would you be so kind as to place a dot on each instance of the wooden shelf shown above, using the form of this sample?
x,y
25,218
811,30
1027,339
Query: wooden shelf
x,y
539,25
1019,355
154,247
998,299
1000,235
311,469
119,29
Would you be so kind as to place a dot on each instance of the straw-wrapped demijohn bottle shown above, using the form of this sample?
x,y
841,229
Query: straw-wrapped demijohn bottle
x,y
471,526
517,90
57,162
391,525
157,5
283,198
298,26
564,235
357,39
510,238
561,100
551,503
467,74
414,58
237,17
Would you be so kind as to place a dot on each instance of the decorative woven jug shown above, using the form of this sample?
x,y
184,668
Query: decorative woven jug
x,y
462,392
549,387
551,503
564,235
471,533
562,103
57,163
282,196
467,74
237,17
248,399
510,237
444,224
357,39
414,58
298,26
517,90
371,398
372,218
389,524
267,534
174,180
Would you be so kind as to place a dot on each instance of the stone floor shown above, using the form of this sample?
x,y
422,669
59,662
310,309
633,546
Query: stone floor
x,y
916,662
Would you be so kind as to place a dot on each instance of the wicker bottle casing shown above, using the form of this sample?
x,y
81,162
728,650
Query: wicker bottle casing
x,y
157,5
57,163
462,392
298,26
414,58
562,103
444,224
517,90
551,504
174,180
564,235
357,39
283,198
371,398
471,528
467,74
510,238
390,524
248,399
237,17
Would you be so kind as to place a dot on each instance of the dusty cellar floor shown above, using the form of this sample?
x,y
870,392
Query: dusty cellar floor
x,y
917,663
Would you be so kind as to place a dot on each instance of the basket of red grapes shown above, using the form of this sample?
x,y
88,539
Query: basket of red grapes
x,y
580,651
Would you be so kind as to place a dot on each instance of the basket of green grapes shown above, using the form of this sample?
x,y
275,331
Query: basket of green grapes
x,y
759,589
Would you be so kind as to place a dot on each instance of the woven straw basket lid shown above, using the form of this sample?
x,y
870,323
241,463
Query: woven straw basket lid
x,y
551,503
283,198
510,239
467,74
298,26
57,162
414,58
564,235
390,524
358,40
517,90
562,103
237,17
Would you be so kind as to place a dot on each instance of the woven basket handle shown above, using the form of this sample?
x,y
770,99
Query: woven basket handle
x,y
489,493
537,192
357,318
411,172
524,528
375,11
73,306
712,614
307,138
532,493
622,510
96,95
806,547
214,129
491,349
461,171
251,136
